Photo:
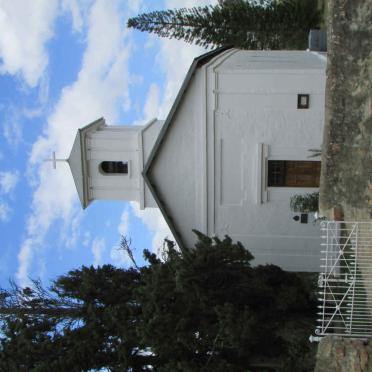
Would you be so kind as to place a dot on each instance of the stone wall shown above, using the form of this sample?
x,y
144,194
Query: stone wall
x,y
336,354
346,176
346,179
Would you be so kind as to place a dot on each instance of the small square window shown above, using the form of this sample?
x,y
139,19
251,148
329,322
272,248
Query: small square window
x,y
303,101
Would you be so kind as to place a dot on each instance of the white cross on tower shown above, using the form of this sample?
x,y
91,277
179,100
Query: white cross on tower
x,y
54,160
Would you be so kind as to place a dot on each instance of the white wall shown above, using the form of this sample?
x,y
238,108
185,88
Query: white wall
x,y
255,102
121,143
178,171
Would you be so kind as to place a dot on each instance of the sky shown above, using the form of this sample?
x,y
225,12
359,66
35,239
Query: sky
x,y
64,64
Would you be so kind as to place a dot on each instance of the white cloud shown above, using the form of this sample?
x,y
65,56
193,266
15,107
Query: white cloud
x,y
134,6
155,222
98,247
8,181
151,108
12,130
119,257
175,58
86,238
4,212
101,86
25,28
39,106
151,41
70,231
124,223
25,256
78,10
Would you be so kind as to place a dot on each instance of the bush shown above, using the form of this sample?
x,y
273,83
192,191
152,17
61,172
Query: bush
x,y
305,203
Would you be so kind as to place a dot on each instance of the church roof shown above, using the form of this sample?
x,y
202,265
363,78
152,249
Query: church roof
x,y
77,161
198,62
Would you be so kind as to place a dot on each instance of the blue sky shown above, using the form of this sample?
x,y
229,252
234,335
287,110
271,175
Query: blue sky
x,y
64,64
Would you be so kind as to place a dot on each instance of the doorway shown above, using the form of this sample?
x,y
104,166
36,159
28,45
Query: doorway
x,y
293,173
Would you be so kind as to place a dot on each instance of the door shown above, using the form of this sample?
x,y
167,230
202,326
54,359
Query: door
x,y
289,173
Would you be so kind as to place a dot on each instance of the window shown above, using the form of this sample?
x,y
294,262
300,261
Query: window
x,y
114,167
276,173
303,101
289,173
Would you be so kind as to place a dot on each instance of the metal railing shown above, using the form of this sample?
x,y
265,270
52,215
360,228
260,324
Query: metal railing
x,y
345,283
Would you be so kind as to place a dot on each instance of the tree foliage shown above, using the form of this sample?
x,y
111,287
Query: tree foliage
x,y
200,309
95,330
244,24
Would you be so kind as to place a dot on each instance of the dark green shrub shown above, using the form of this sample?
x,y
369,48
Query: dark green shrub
x,y
305,203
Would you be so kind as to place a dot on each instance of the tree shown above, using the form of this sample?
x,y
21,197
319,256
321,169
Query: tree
x,y
244,24
199,309
207,309
96,329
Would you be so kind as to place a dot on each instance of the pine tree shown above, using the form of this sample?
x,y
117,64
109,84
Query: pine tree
x,y
86,320
208,309
199,309
244,24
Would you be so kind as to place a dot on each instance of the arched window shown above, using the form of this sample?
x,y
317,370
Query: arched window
x,y
114,167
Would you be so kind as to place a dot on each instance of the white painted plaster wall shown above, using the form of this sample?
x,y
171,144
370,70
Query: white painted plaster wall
x,y
178,169
120,143
255,102
131,144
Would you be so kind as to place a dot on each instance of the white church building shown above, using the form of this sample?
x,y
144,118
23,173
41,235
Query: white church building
x,y
232,151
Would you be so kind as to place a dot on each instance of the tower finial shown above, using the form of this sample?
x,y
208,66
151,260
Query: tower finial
x,y
54,160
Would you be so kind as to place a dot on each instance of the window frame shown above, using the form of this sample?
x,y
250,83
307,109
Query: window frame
x,y
124,163
300,105
280,177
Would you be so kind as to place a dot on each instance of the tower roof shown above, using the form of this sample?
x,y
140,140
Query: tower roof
x,y
77,161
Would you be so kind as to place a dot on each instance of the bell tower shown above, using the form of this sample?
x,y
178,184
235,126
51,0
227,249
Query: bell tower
x,y
107,161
